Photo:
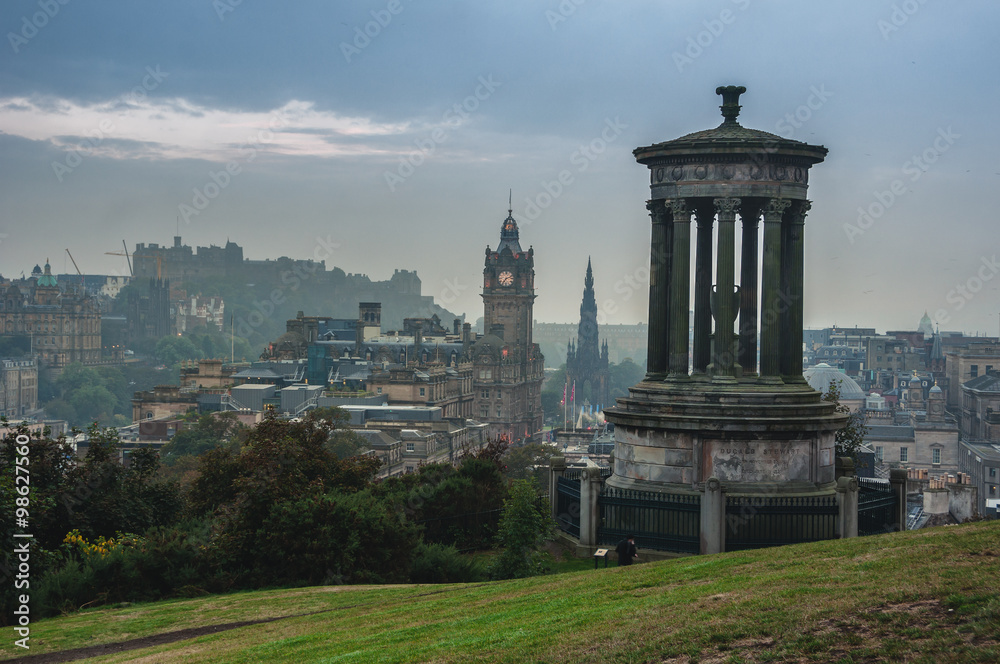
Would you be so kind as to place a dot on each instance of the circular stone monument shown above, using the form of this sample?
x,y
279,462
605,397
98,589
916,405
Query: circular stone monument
x,y
706,407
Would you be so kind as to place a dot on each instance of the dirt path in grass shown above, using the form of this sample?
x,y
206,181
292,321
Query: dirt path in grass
x,y
75,654
144,642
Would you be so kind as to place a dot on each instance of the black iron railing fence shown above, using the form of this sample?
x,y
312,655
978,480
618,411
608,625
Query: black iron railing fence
x,y
878,507
568,505
660,521
758,521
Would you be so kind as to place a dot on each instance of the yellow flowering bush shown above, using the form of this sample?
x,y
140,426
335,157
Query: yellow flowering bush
x,y
102,546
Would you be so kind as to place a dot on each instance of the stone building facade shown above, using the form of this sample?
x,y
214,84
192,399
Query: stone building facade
x,y
18,388
508,365
63,326
447,387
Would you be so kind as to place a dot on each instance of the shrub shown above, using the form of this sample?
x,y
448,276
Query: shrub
x,y
437,563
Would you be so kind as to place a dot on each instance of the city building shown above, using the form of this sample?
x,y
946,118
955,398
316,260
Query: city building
x,y
18,388
921,435
62,326
981,408
962,364
449,388
624,341
148,314
586,358
509,366
981,461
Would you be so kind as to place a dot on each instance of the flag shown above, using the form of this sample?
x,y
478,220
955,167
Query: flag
x,y
573,393
563,402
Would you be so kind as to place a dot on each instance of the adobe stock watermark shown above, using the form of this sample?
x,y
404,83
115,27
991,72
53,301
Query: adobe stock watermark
x,y
563,11
223,7
106,126
804,112
898,17
453,118
714,27
963,293
580,159
30,26
914,168
219,180
363,36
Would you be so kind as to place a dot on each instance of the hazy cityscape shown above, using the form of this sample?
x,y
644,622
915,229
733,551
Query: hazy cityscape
x,y
400,294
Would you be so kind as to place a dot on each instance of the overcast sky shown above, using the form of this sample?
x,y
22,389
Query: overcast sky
x,y
400,145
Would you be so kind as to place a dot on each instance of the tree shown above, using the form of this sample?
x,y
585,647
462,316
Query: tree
x,y
171,350
529,462
851,437
209,431
284,468
624,375
524,525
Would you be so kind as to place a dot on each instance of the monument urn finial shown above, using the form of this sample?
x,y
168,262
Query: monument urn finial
x,y
730,101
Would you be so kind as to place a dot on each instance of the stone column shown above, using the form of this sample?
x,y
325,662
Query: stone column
x,y
725,299
713,517
702,332
680,285
749,213
897,480
659,295
770,302
792,243
557,468
847,504
590,517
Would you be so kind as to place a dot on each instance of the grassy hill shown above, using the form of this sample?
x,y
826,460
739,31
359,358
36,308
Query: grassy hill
x,y
925,596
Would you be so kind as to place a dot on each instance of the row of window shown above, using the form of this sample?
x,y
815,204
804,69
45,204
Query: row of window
x,y
904,454
974,370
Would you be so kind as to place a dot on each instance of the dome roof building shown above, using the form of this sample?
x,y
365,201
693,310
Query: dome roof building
x,y
820,376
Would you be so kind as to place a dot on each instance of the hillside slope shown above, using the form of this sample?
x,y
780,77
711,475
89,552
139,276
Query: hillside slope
x,y
925,596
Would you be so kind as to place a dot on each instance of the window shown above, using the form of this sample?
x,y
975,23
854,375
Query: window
x,y
423,391
993,471
936,457
904,454
485,394
879,452
484,412
409,447
498,411
974,370
378,390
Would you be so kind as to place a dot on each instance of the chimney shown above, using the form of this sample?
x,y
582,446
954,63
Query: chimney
x,y
418,338
457,326
359,337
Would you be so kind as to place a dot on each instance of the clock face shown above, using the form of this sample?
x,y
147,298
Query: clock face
x,y
505,278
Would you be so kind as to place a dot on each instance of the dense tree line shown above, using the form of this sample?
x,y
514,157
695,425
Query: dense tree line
x,y
272,505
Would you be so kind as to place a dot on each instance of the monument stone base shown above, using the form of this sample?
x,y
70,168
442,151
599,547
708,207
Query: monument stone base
x,y
755,438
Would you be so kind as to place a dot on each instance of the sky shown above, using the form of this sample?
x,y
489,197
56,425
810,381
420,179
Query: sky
x,y
389,134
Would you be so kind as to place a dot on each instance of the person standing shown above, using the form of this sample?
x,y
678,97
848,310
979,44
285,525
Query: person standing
x,y
627,551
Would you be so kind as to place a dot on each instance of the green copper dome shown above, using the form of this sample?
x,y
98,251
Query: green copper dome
x,y
47,279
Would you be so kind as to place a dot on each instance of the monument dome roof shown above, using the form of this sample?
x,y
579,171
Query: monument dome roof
x,y
731,134
820,376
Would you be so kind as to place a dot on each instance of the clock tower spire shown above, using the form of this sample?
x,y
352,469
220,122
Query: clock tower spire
x,y
507,346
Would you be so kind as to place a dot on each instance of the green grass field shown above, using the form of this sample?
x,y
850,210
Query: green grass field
x,y
926,596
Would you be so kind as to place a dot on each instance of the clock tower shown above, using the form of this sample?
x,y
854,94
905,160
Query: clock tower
x,y
509,366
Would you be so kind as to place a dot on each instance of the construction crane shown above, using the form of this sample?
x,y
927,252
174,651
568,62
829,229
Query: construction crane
x,y
125,254
77,268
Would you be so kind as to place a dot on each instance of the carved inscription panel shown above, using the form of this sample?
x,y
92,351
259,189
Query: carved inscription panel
x,y
757,461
